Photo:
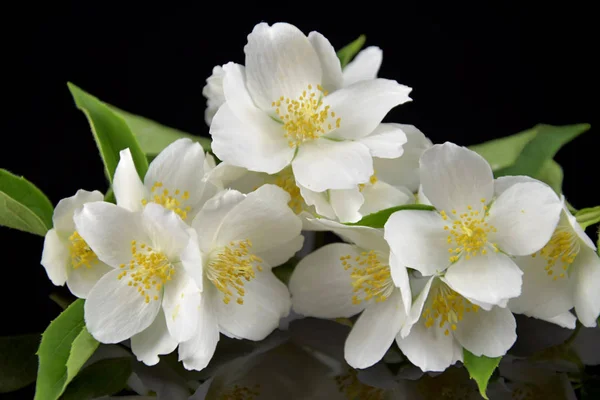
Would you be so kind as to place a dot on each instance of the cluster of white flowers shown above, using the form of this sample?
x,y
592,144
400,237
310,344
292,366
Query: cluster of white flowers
x,y
187,254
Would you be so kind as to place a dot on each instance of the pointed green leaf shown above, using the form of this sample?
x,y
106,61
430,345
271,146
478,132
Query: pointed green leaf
x,y
552,174
347,53
18,362
503,152
104,378
154,137
23,206
111,132
480,369
66,345
378,219
588,216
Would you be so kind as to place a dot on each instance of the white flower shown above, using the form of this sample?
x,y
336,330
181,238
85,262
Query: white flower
x,y
175,180
241,237
278,112
152,293
562,275
66,256
213,91
341,280
474,232
363,67
441,323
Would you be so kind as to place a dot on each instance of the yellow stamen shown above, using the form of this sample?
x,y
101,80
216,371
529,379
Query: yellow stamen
x,y
561,251
81,254
174,201
445,308
370,278
468,233
285,180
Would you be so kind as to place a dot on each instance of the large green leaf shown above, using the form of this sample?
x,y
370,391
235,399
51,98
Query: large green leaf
x,y
111,132
503,152
23,206
66,345
104,378
18,362
347,53
378,219
154,137
480,369
552,174
588,216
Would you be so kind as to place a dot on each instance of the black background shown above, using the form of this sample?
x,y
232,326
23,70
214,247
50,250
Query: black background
x,y
476,73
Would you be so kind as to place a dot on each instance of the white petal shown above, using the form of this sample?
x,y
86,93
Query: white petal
x,y
565,320
385,141
330,64
541,296
579,231
586,274
167,232
380,196
191,260
326,164
374,332
83,279
490,278
321,287
400,277
363,105
127,185
262,147
346,203
197,352
55,257
266,301
108,230
429,349
416,308
213,92
115,311
365,66
153,341
62,219
181,300
505,182
319,200
525,216
363,236
280,254
418,240
224,174
280,61
455,177
404,171
489,333
263,217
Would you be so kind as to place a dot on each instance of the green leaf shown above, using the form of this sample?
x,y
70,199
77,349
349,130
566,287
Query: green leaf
x,y
347,53
378,219
23,206
480,369
18,362
66,345
284,271
503,152
552,174
588,216
154,137
104,378
111,132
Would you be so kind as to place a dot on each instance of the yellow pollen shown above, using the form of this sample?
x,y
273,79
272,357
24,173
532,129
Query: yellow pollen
x,y
285,180
445,308
370,278
81,254
148,271
468,233
230,266
353,388
241,393
561,251
305,118
372,180
171,201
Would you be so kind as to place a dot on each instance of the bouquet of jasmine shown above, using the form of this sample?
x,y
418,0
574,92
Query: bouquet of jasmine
x,y
203,272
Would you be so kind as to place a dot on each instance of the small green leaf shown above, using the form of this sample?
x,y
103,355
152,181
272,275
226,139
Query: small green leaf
x,y
347,53
503,152
23,206
588,216
18,362
111,132
552,174
378,219
480,369
104,378
66,345
154,137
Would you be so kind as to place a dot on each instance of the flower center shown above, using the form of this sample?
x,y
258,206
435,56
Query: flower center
x,y
241,393
285,180
81,254
230,266
447,308
148,270
353,388
372,180
370,278
562,248
171,201
305,118
468,233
